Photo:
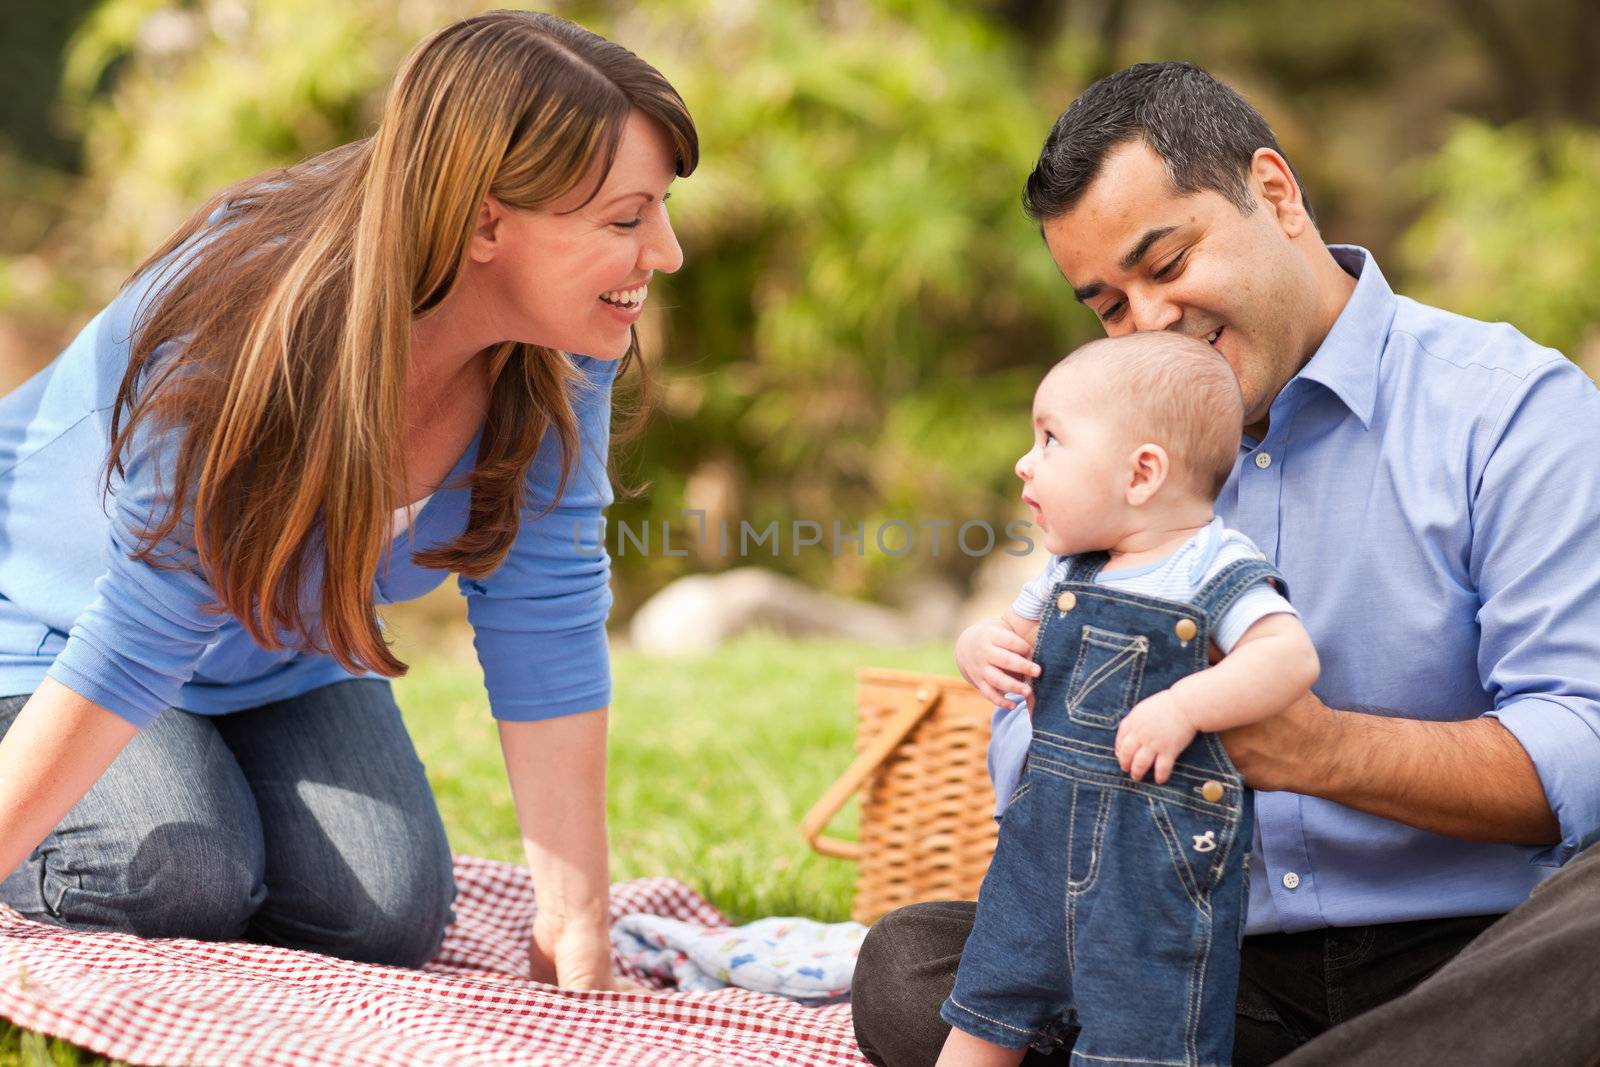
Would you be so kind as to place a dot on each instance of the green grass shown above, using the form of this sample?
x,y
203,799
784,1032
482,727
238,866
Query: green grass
x,y
24,1048
713,761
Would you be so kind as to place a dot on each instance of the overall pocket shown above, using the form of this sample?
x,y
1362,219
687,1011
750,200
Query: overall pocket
x,y
1107,675
1200,844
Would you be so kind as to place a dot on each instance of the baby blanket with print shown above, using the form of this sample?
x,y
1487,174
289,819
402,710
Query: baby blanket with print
x,y
801,958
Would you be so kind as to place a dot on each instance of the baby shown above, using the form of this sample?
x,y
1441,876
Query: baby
x,y
1112,911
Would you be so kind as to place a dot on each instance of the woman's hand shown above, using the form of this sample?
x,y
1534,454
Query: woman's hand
x,y
577,958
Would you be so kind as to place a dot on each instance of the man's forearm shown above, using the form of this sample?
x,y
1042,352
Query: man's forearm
x,y
1469,779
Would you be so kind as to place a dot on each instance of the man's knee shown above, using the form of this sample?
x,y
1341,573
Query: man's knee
x,y
872,999
882,950
177,879
906,968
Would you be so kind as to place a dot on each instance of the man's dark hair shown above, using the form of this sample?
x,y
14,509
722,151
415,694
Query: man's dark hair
x,y
1203,130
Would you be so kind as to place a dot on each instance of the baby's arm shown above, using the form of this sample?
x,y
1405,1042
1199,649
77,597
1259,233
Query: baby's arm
x,y
1270,667
994,656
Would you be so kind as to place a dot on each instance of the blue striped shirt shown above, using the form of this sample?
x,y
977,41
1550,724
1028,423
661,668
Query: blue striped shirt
x,y
1429,486
1179,576
136,639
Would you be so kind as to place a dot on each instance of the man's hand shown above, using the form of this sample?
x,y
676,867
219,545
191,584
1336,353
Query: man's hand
x,y
1154,733
1295,750
996,661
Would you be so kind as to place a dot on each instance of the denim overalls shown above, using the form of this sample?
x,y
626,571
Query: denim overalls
x,y
1111,905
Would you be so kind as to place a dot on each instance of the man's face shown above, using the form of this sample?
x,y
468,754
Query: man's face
x,y
1142,257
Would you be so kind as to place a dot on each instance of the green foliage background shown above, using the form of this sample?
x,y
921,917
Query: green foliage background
x,y
864,310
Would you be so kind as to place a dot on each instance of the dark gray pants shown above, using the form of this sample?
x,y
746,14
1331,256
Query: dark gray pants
x,y
1526,991
1523,989
307,823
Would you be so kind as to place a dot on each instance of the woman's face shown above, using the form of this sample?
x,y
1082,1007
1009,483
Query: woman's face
x,y
573,276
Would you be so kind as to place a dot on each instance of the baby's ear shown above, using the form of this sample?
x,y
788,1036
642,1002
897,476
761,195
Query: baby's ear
x,y
1148,466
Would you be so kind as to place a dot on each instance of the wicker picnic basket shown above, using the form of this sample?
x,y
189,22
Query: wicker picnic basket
x,y
927,809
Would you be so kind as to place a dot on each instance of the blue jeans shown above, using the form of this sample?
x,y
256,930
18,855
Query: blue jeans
x,y
307,823
1111,915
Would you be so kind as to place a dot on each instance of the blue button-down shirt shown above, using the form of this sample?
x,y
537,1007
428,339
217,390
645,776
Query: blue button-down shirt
x,y
1430,487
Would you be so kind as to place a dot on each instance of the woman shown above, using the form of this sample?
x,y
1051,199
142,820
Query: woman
x,y
331,388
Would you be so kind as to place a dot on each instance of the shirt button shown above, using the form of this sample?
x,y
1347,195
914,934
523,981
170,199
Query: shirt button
x,y
1291,881
1263,460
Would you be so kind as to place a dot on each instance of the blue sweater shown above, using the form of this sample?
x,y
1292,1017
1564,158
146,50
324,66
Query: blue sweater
x,y
136,639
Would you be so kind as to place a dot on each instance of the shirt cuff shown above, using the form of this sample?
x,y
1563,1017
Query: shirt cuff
x,y
1565,750
546,675
98,678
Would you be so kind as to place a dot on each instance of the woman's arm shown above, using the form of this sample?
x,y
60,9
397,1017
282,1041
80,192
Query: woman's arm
x,y
57,748
557,769
539,625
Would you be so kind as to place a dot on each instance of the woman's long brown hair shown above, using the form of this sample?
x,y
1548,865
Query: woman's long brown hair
x,y
278,342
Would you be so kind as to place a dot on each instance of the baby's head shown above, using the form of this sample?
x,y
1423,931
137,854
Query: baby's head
x,y
1130,433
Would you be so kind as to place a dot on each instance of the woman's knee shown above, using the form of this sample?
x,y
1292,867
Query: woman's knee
x,y
176,879
358,864
393,912
405,926
167,843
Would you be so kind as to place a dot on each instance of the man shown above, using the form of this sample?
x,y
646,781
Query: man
x,y
1429,487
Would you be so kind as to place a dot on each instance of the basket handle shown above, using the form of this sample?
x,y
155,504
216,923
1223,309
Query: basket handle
x,y
888,739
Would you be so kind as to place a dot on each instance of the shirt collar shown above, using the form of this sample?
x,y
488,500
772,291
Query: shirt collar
x,y
1346,363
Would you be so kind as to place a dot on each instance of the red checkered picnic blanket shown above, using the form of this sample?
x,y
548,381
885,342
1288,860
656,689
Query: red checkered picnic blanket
x,y
182,1001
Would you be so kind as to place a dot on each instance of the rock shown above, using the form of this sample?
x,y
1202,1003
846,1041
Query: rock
x,y
699,612
932,606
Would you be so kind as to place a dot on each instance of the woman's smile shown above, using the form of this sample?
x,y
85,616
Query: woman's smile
x,y
626,304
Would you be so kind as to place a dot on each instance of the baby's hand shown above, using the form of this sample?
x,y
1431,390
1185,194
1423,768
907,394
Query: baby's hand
x,y
1155,732
995,660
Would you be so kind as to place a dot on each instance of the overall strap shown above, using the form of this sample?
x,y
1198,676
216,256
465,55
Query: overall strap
x,y
1085,566
1230,583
